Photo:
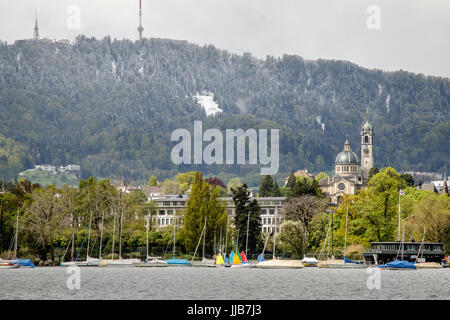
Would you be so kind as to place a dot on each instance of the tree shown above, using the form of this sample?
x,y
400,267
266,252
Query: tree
x,y
320,176
203,204
291,180
433,212
373,171
41,219
247,212
234,183
216,182
378,205
152,181
306,186
266,187
303,209
408,179
276,190
171,187
291,238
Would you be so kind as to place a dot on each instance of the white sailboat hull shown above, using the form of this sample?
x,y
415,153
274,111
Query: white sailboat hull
x,y
280,264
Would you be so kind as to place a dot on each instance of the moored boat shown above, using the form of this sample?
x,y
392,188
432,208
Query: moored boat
x,y
9,264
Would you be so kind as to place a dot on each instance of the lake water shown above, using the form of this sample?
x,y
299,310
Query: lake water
x,y
226,283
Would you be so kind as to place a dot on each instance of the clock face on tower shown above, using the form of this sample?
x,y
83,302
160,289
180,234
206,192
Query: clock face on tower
x,y
366,151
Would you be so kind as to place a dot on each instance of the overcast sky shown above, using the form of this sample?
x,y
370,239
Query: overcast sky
x,y
414,35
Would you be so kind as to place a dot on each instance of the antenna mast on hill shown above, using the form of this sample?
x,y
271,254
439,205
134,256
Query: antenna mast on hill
x,y
140,28
36,29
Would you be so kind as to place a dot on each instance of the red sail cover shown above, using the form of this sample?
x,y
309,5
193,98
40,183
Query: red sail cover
x,y
243,256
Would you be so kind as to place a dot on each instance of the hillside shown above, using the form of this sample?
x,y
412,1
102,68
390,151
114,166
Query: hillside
x,y
111,106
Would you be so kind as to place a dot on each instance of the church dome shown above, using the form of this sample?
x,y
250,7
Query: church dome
x,y
347,156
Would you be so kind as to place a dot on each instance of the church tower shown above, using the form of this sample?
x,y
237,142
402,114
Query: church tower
x,y
366,150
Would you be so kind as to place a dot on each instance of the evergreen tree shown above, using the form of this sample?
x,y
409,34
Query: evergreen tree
x,y
276,190
291,180
244,209
266,187
408,179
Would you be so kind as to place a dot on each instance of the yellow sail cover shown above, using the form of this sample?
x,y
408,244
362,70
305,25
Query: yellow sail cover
x,y
236,259
219,259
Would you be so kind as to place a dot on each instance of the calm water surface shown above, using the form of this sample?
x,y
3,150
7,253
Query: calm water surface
x,y
212,283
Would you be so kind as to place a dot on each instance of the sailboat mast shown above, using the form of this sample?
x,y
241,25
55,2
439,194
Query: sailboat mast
x,y
174,227
332,254
246,241
274,236
147,219
17,232
101,236
114,233
89,235
120,235
226,235
204,236
345,241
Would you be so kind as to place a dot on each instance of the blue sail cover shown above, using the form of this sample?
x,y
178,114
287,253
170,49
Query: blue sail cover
x,y
25,263
178,261
260,257
350,261
403,264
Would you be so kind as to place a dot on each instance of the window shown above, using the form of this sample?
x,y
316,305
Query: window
x,y
162,212
167,203
271,211
269,220
170,212
263,211
366,139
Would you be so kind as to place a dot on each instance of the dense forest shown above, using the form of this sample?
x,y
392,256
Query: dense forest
x,y
111,105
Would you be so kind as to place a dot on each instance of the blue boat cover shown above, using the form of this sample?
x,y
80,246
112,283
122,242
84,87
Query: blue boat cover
x,y
350,261
401,264
260,257
178,261
25,263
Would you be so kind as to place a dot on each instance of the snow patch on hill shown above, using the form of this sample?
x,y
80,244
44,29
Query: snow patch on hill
x,y
206,100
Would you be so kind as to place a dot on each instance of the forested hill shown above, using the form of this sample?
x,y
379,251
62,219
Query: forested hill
x,y
111,106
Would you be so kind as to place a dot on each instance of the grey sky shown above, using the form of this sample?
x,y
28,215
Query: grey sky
x,y
414,34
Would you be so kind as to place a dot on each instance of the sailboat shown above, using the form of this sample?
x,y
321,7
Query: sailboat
x,y
16,262
308,261
89,262
174,261
150,261
241,261
400,264
347,264
120,262
278,263
205,262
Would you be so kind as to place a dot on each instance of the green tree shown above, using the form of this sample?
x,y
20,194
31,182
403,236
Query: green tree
x,y
320,176
291,180
203,204
247,211
408,179
152,181
373,171
306,186
266,187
